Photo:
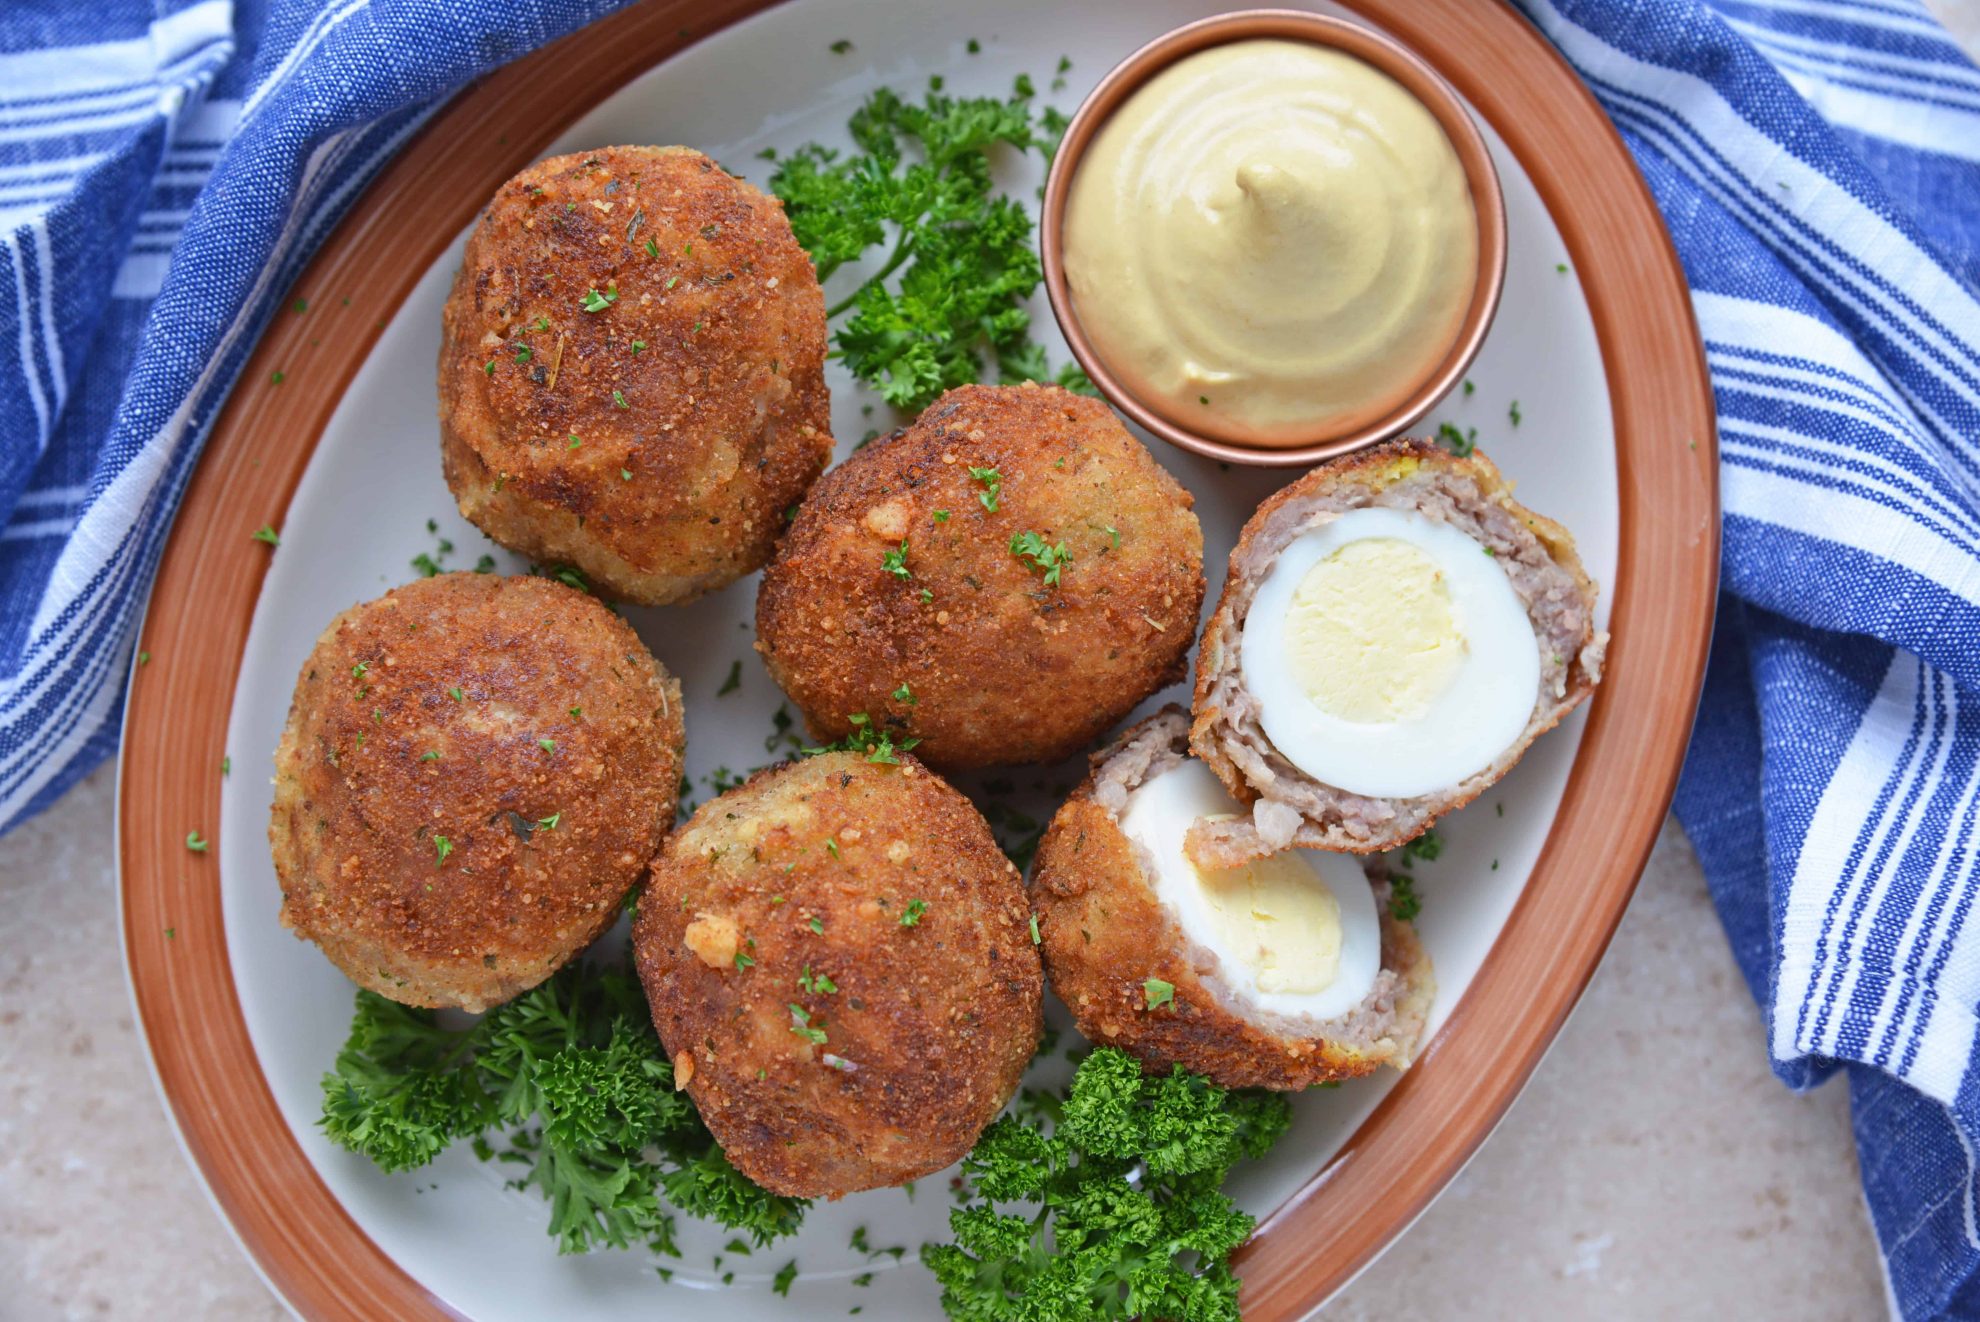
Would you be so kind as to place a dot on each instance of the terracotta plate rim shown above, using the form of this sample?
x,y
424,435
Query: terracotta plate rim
x,y
306,1245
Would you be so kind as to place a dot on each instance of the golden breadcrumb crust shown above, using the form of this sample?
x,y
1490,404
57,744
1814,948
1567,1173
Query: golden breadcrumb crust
x,y
830,1045
999,665
632,371
515,719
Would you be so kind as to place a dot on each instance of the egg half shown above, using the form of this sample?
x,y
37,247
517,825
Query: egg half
x,y
1296,932
1389,655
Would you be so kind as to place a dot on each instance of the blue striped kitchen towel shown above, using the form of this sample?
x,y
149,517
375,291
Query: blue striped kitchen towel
x,y
166,168
1818,163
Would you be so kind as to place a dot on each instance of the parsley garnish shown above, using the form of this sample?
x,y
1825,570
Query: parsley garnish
x,y
1111,1210
911,916
1513,413
947,302
1051,560
442,847
1457,442
895,562
906,694
733,682
195,843
267,533
1157,993
619,400
547,745
877,744
801,1025
993,486
593,301
571,1085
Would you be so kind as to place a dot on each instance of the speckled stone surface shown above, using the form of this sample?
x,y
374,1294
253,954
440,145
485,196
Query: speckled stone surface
x,y
1653,1169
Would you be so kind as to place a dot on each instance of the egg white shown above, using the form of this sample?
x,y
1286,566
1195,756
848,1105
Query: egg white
x,y
1481,712
1156,817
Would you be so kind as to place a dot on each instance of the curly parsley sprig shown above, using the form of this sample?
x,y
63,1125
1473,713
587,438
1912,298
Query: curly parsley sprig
x,y
948,298
572,1078
1115,1211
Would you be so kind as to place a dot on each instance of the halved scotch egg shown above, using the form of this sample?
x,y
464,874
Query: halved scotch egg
x,y
1282,972
1394,632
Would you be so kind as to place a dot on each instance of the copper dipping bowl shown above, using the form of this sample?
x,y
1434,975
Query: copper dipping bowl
x,y
1372,47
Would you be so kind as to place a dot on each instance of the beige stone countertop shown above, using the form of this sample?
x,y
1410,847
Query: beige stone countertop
x,y
1653,1168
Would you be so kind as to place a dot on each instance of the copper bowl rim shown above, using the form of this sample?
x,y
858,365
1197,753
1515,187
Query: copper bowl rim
x,y
1384,53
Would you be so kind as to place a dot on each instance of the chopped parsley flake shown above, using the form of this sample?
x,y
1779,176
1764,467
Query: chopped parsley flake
x,y
593,301
456,695
1513,413
841,46
547,745
787,1273
832,847
1157,993
267,533
1035,938
550,823
652,248
619,400
733,682
993,486
802,1026
878,745
818,984
442,847
911,916
817,925
195,843
429,756
941,516
906,694
1457,442
895,562
1051,560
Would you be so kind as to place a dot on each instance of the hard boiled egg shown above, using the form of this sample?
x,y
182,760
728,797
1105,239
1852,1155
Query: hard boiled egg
x,y
1389,655
1296,932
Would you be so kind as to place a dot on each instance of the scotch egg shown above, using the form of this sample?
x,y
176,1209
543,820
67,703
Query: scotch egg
x,y
1282,971
1394,632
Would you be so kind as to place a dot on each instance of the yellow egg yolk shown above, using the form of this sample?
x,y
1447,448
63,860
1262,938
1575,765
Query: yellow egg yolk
x,y
1371,635
1278,918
